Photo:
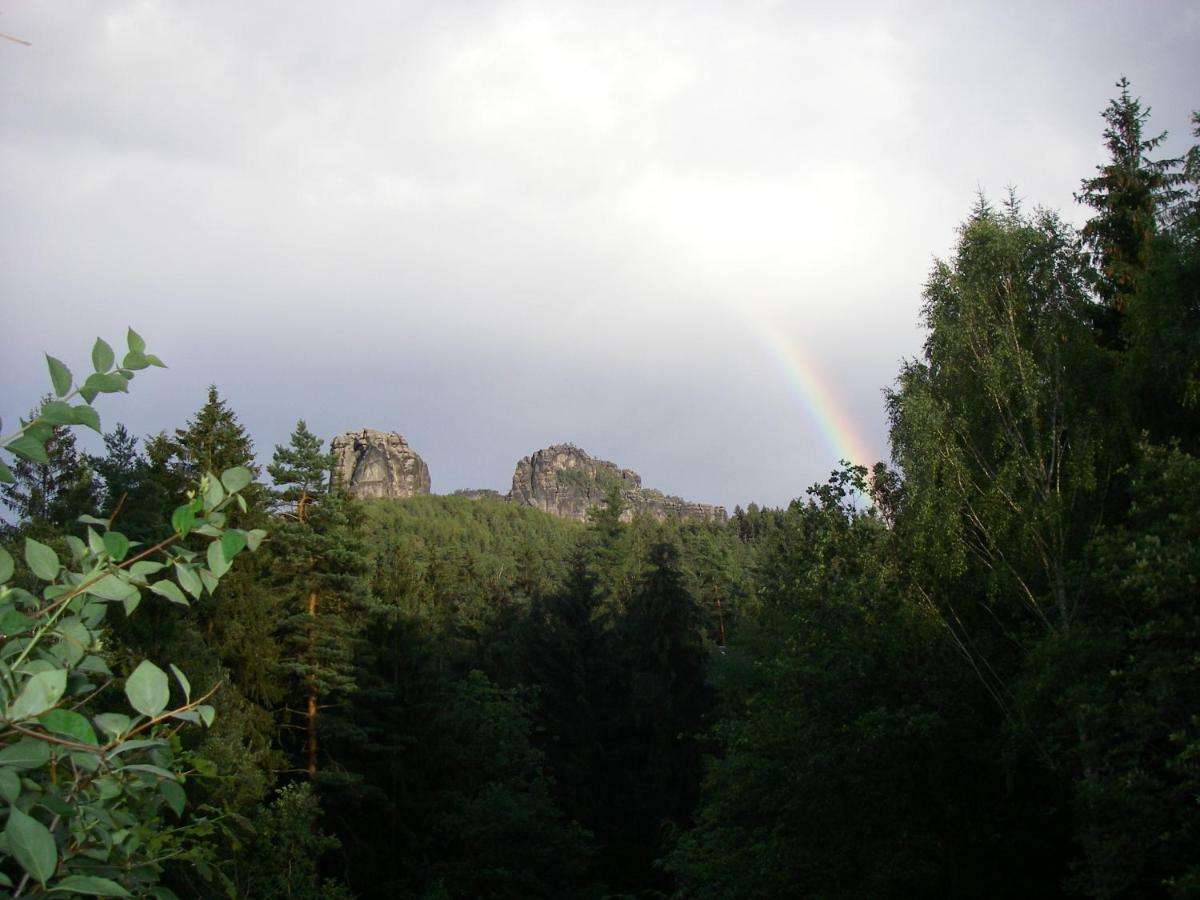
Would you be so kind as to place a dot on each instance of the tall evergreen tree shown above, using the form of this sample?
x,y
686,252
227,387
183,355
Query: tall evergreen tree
x,y
653,763
212,441
1130,193
569,659
319,566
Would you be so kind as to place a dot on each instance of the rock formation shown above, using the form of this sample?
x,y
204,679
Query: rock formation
x,y
372,463
561,480
565,481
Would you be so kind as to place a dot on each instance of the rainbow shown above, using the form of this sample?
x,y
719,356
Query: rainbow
x,y
818,397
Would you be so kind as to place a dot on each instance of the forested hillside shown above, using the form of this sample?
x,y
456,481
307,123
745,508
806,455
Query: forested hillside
x,y
972,672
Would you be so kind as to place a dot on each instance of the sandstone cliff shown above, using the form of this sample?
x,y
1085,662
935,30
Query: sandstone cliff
x,y
372,463
565,481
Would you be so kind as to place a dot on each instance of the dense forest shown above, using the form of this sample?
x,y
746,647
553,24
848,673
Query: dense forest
x,y
972,672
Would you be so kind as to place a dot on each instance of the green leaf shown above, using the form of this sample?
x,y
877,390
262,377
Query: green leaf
x,y
85,415
40,693
116,544
72,724
213,492
183,518
147,689
93,665
144,567
170,590
155,361
254,537
77,547
115,724
10,784
190,580
32,844
182,679
60,376
102,356
113,383
27,753
55,412
135,342
6,474
111,587
85,761
232,543
91,886
6,566
131,603
174,796
29,447
135,360
42,561
13,622
209,579
75,639
216,559
236,478
207,714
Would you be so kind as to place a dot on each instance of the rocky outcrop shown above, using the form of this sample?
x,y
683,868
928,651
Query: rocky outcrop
x,y
564,480
372,463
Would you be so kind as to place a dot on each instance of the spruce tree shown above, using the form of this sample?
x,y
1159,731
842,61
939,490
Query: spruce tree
x,y
1129,194
213,441
654,759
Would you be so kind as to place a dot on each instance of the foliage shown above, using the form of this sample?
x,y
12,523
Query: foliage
x,y
282,860
89,780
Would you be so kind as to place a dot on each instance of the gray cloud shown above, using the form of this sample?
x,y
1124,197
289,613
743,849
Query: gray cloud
x,y
494,226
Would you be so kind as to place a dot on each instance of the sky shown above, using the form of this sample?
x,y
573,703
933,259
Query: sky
x,y
689,237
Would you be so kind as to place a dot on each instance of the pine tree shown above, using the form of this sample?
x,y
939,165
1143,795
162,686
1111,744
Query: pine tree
x,y
320,568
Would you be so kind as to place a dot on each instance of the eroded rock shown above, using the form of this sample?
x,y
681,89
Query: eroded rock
x,y
370,463
566,481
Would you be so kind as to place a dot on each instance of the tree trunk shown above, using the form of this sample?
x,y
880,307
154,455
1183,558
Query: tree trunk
x,y
312,684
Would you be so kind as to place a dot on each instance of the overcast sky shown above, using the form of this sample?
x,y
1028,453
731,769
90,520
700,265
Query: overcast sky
x,y
496,226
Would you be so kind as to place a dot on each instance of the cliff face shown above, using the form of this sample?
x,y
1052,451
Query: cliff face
x,y
561,480
372,463
565,481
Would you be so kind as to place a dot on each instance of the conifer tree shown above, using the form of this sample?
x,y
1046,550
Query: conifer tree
x,y
1129,194
654,761
213,441
569,661
319,566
